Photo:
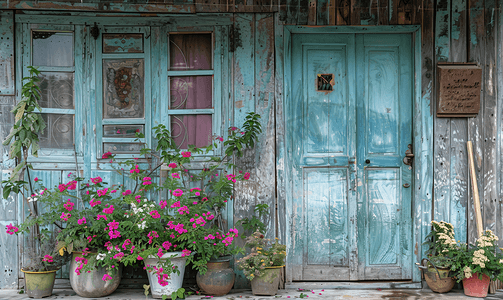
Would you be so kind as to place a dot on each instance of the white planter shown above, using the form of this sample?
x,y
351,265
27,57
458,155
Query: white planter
x,y
175,281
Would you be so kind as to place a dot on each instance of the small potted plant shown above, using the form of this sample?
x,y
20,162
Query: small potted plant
x,y
476,265
441,244
263,265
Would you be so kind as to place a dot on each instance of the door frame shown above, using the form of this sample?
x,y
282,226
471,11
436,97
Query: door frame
x,y
422,137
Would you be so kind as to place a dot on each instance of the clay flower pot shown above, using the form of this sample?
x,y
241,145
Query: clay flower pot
x,y
475,287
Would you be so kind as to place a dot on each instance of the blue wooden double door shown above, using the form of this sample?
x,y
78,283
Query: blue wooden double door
x,y
351,124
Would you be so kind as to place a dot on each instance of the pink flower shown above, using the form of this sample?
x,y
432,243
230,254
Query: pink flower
x,y
81,221
96,180
159,252
186,154
163,204
62,188
135,170
127,192
231,177
176,204
186,252
139,258
101,217
47,258
137,197
155,214
11,229
151,235
36,179
147,180
172,165
94,202
69,205
234,128
197,193
204,199
166,245
65,217
72,185
246,176
175,175
119,255
106,277
102,192
220,138
126,243
106,155
183,209
177,192
109,210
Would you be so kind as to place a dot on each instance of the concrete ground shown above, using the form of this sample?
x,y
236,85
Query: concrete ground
x,y
137,294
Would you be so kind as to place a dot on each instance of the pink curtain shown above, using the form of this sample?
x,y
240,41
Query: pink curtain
x,y
191,52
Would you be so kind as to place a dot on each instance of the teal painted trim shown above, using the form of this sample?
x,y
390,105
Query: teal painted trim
x,y
355,29
196,111
43,26
7,46
78,93
218,57
120,140
288,166
354,285
165,99
155,58
195,72
90,69
57,69
57,110
122,121
423,168
83,18
122,55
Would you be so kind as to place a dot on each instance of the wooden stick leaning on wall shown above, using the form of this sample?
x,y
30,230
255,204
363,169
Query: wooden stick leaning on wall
x,y
475,189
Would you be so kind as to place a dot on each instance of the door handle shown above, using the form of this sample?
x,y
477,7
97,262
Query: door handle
x,y
408,156
406,185
367,161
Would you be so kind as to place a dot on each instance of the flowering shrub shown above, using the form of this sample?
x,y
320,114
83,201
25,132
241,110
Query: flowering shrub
x,y
440,242
263,254
115,224
483,258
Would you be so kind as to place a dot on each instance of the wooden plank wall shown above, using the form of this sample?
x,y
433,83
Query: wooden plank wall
x,y
8,207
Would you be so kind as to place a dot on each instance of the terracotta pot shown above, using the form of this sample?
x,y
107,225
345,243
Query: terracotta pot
x,y
475,287
438,279
268,283
92,285
219,278
39,284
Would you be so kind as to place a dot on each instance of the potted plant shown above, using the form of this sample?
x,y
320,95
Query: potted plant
x,y
40,264
441,243
263,265
476,265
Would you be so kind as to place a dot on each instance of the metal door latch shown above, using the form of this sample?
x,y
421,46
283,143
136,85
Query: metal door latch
x,y
408,156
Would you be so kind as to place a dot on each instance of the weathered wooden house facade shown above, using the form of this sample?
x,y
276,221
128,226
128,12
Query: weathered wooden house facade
x,y
344,87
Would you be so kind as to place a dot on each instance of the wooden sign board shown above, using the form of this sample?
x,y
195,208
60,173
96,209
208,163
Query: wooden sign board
x,y
458,88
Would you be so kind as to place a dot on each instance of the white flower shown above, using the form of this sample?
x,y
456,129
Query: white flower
x,y
101,256
30,199
142,225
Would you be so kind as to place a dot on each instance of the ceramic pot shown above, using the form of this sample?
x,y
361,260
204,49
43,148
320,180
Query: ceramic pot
x,y
438,279
175,281
39,284
92,285
268,283
475,287
218,279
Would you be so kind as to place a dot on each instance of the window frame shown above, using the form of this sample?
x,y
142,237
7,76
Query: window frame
x,y
147,91
25,32
218,41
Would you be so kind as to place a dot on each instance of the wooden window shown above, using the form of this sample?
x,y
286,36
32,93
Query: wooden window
x,y
52,53
191,77
123,89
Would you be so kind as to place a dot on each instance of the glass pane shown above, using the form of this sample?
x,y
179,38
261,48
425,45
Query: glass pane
x,y
122,42
125,131
119,148
191,92
123,81
190,51
191,130
54,49
56,90
58,133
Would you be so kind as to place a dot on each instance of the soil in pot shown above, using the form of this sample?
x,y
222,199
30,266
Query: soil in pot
x,y
92,285
268,283
219,279
39,284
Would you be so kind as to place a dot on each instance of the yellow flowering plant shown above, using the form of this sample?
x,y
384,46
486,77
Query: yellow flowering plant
x,y
483,258
263,254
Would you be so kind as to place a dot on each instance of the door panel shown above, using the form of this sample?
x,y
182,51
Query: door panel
x,y
351,212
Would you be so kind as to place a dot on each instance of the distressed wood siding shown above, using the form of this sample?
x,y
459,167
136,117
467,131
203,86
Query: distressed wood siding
x,y
255,78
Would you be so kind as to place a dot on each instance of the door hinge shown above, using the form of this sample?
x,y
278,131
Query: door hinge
x,y
408,156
